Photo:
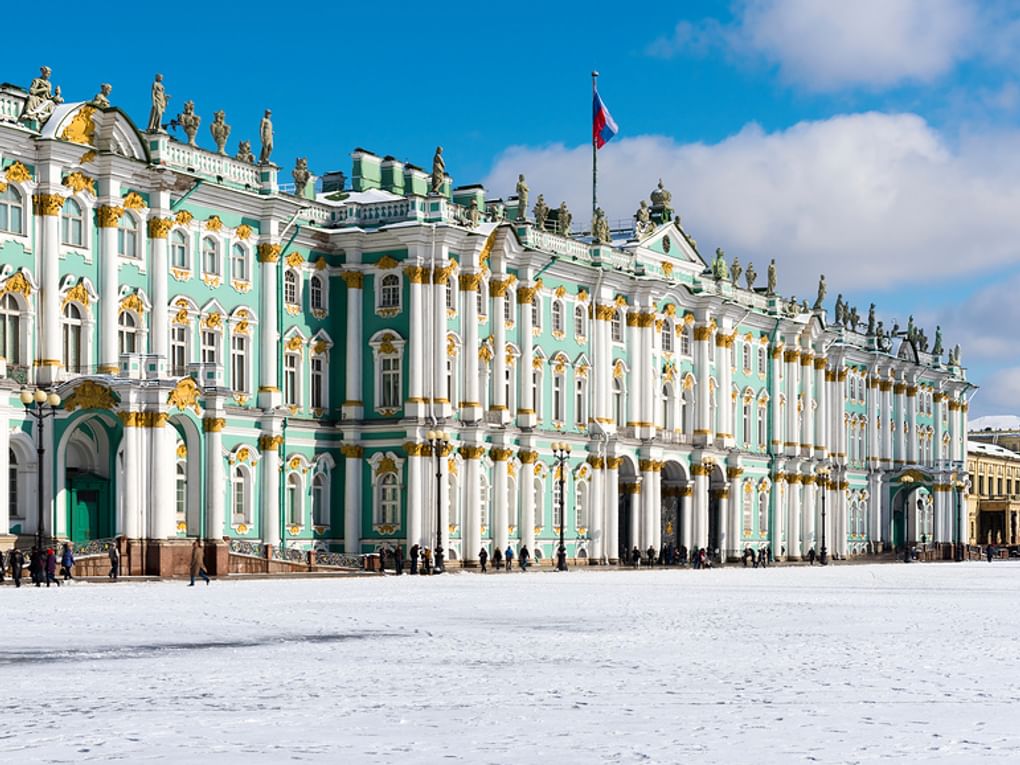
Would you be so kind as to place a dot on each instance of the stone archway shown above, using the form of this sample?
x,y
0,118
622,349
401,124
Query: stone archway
x,y
676,508
628,509
718,497
89,474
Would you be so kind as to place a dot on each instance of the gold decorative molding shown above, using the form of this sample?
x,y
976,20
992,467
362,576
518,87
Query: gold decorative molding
x,y
470,282
18,173
182,451
415,274
703,332
81,128
213,223
133,201
387,263
78,182
87,157
47,204
352,451
295,343
527,457
183,217
90,395
159,228
294,260
386,465
243,232
354,280
77,294
471,452
500,454
133,303
268,252
613,463
185,395
17,283
108,216
270,443
417,450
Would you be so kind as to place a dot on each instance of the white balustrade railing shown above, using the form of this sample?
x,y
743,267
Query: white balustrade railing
x,y
182,156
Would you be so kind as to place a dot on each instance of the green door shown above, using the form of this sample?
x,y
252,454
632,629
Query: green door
x,y
899,528
91,518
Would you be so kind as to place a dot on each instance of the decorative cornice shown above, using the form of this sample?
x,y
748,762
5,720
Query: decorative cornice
x,y
270,443
47,204
269,252
213,424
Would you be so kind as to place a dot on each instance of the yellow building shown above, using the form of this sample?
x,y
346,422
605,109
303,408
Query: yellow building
x,y
993,504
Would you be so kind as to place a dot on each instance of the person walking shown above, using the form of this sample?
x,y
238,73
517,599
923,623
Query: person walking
x,y
66,562
428,561
811,556
398,560
497,560
35,566
413,555
524,558
989,553
197,563
509,556
114,554
483,558
3,566
16,559
51,567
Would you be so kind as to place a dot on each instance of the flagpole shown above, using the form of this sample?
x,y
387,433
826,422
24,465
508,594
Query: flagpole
x,y
594,153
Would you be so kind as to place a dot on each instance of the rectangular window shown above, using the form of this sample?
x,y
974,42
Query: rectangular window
x,y
178,350
580,413
290,379
390,394
559,403
209,354
239,362
508,306
318,383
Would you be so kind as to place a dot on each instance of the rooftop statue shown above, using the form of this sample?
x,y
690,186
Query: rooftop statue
x,y
102,98
719,269
189,121
244,153
438,171
474,215
662,202
803,306
42,100
771,290
541,212
840,310
735,270
600,227
563,220
792,307
822,292
266,136
750,275
910,327
643,225
937,349
159,102
301,175
522,198
220,131
871,320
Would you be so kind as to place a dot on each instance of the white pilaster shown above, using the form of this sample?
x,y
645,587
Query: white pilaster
x,y
216,479
352,498
611,509
269,350
353,405
269,445
109,274
470,405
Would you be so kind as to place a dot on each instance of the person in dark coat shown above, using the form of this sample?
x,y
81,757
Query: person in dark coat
x,y
197,563
524,558
413,555
497,560
398,560
483,558
989,553
35,566
16,559
67,562
509,556
114,554
3,566
811,556
51,567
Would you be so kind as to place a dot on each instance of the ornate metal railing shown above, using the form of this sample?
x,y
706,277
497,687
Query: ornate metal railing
x,y
94,548
291,554
339,560
247,547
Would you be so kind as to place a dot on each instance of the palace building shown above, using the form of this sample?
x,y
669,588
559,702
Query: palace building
x,y
259,365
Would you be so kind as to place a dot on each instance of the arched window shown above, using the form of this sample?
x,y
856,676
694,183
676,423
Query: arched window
x,y
127,332
239,362
616,327
12,485
667,336
481,306
72,223
581,504
763,511
685,341
389,499
390,292
315,296
241,495
483,502
181,486
12,210
763,413
72,326
580,321
747,508
318,382
320,500
294,509
539,504
179,250
210,256
290,287
127,236
557,316
536,311
10,330
618,413
239,263
291,379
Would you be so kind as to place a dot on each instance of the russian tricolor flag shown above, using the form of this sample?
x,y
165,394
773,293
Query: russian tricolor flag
x,y
603,128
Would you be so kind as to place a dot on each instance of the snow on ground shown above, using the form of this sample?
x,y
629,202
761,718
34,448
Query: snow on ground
x,y
854,663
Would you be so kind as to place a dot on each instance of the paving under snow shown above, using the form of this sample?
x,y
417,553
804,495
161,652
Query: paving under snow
x,y
854,663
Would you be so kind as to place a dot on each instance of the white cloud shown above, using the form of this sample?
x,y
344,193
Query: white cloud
x,y
872,200
999,393
831,45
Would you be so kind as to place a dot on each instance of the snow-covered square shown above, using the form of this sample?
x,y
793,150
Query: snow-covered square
x,y
853,663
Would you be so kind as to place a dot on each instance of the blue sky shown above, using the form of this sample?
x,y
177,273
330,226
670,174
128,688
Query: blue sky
x,y
876,141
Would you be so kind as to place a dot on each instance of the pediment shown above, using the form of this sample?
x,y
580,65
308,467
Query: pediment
x,y
106,130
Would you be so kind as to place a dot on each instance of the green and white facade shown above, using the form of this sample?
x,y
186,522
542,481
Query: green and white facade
x,y
260,368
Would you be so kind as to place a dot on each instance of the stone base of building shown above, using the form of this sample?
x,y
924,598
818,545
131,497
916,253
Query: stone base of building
x,y
7,542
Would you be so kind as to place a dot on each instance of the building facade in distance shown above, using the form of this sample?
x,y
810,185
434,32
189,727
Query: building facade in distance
x,y
260,367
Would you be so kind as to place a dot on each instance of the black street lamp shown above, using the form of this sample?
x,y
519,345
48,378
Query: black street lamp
x,y
906,518
561,452
439,440
823,475
35,405
958,536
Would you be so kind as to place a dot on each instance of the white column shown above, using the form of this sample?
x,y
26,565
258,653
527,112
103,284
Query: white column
x,y
885,426
526,490
878,530
159,227
900,411
5,445
725,531
133,508
500,489
778,500
470,406
472,534
809,514
775,412
874,429
634,490
596,510
657,506
703,422
637,373
352,498
724,350
269,445
109,277
353,405
269,350
648,510
416,465
440,394
216,479
497,290
49,352
686,525
416,343
735,518
525,400
793,542
602,371
611,505
791,444
940,431
700,515
444,504
162,513
821,415
649,378
912,441
807,429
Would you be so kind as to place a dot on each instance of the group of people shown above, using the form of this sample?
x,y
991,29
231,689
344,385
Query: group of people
x,y
420,560
668,555
762,557
504,561
42,565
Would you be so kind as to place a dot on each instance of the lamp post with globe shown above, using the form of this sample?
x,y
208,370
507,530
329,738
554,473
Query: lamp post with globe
x,y
40,404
